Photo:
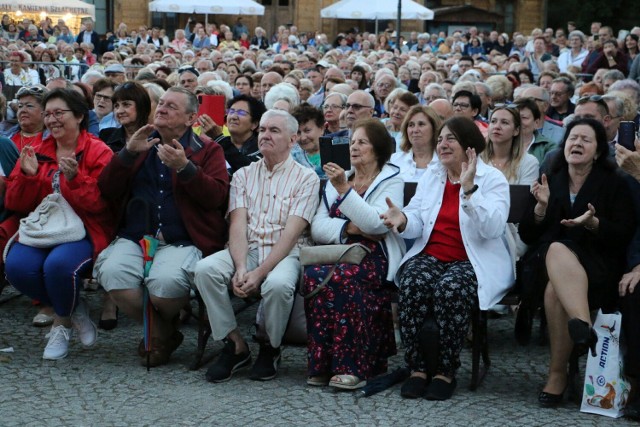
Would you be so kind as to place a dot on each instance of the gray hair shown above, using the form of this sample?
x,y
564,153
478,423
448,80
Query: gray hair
x,y
155,91
613,75
90,74
436,86
291,124
248,65
219,87
145,74
192,102
627,84
342,96
486,87
577,33
285,91
619,104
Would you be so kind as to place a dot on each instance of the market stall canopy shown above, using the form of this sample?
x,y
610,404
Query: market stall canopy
x,y
211,7
49,7
376,10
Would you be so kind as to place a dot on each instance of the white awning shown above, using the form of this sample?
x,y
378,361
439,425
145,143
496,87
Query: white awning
x,y
210,7
50,7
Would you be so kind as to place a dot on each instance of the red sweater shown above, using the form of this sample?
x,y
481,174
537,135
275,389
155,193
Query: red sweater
x,y
201,191
445,242
24,193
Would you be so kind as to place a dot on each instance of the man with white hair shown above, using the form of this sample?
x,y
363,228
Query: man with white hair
x,y
384,83
271,204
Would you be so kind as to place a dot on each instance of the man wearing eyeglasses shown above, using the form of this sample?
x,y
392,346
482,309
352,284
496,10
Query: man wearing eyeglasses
x,y
360,105
560,105
169,184
552,129
384,83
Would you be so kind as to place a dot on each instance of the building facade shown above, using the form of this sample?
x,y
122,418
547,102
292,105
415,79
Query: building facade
x,y
501,15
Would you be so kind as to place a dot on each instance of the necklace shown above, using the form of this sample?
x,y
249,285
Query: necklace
x,y
368,181
452,181
27,138
499,165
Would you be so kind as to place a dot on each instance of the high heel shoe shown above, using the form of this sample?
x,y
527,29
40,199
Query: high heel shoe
x,y
583,336
549,400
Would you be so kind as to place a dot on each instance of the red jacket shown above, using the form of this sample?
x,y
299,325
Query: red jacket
x,y
201,190
24,193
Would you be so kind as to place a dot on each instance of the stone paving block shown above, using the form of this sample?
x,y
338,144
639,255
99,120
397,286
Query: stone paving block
x,y
106,386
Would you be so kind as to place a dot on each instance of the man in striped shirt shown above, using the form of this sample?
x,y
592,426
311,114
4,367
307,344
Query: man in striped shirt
x,y
271,204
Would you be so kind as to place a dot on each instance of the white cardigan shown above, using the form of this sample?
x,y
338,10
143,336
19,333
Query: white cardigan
x,y
364,213
483,218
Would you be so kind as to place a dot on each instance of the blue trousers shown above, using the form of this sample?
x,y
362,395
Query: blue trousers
x,y
52,275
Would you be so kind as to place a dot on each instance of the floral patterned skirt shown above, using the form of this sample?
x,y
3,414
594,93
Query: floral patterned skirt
x,y
349,322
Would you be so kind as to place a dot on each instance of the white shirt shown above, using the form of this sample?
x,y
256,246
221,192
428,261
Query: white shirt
x,y
409,172
566,59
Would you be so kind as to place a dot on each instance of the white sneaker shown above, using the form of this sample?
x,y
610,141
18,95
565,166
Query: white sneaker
x,y
58,345
87,331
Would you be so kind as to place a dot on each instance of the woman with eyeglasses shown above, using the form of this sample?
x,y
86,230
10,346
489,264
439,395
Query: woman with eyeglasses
x,y
243,118
69,158
580,219
244,84
458,261
332,107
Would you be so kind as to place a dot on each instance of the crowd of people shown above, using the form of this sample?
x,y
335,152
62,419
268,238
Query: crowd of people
x,y
112,123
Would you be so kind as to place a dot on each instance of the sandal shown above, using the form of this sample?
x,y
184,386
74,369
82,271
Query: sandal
x,y
318,380
347,382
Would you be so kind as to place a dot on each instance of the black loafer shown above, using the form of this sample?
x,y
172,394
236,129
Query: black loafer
x,y
439,389
549,400
414,388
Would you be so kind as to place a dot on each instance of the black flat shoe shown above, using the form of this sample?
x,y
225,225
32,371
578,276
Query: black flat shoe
x,y
109,324
583,336
439,389
548,400
414,388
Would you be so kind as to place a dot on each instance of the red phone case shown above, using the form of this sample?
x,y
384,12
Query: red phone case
x,y
213,106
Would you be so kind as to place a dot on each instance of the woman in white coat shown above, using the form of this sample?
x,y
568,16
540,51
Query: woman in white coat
x,y
349,322
458,217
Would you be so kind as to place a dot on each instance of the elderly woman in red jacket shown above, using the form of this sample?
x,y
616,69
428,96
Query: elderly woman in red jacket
x,y
69,158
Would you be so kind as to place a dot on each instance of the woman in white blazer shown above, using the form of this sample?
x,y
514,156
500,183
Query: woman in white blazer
x,y
349,323
458,216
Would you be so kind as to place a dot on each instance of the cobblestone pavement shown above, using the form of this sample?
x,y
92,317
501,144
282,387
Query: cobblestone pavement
x,y
106,386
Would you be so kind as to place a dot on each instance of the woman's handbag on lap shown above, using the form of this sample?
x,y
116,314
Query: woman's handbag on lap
x,y
330,254
51,223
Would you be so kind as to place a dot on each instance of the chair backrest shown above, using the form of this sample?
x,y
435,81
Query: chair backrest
x,y
409,191
520,195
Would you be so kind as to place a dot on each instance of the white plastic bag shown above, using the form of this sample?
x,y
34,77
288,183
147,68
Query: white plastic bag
x,y
606,390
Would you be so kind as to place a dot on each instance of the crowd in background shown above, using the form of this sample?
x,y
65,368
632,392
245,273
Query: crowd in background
x,y
445,104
